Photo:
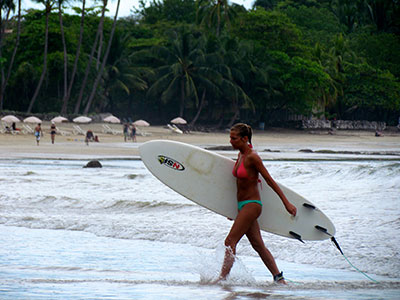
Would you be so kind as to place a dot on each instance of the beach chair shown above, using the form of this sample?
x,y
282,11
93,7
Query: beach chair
x,y
77,130
175,129
27,129
108,129
62,132
141,132
3,128
7,129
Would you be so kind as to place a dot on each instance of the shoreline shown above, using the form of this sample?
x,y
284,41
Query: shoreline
x,y
273,144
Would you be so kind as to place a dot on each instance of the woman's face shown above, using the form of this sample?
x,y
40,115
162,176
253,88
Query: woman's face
x,y
236,140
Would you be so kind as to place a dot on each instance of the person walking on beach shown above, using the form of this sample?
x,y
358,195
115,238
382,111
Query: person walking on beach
x,y
38,133
53,130
246,170
133,133
126,131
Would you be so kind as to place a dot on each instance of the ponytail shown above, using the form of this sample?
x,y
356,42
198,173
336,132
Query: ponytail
x,y
243,130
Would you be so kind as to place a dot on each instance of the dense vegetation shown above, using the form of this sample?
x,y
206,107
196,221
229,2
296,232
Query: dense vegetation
x,y
208,61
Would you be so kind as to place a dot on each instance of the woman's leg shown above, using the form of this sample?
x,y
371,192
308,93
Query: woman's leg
x,y
244,220
254,236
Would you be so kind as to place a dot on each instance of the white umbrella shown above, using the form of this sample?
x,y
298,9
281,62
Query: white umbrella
x,y
10,119
82,119
59,119
178,120
32,120
112,119
142,123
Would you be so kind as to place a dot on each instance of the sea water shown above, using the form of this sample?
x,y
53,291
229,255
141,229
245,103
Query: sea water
x,y
69,232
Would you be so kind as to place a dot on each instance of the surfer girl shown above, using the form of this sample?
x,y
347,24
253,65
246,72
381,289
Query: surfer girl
x,y
246,171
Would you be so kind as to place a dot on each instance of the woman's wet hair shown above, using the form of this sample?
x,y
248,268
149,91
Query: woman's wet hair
x,y
243,130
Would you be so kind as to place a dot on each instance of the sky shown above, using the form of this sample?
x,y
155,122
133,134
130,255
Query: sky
x,y
125,6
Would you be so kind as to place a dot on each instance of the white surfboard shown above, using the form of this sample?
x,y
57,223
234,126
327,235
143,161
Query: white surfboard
x,y
205,178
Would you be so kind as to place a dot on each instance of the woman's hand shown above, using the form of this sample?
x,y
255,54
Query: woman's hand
x,y
291,209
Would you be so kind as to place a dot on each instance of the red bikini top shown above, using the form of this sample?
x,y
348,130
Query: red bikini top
x,y
240,171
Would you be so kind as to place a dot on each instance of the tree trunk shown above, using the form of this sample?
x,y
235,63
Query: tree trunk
x,y
235,115
199,109
48,10
99,73
78,49
65,85
88,67
7,78
100,48
182,104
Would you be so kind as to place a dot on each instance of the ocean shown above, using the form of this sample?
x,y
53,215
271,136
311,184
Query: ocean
x,y
69,232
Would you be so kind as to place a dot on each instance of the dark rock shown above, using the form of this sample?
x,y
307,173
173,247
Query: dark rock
x,y
93,164
306,150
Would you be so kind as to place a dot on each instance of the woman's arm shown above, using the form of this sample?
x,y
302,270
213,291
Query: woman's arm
x,y
256,160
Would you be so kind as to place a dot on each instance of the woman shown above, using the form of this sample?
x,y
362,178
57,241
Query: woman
x,y
53,132
133,133
246,170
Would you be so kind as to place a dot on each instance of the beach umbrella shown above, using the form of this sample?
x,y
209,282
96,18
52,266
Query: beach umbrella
x,y
32,119
10,119
178,120
59,119
112,119
82,119
141,123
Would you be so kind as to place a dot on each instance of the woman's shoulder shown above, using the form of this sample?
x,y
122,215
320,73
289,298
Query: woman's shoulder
x,y
253,156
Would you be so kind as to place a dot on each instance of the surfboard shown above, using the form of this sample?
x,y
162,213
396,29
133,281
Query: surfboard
x,y
205,178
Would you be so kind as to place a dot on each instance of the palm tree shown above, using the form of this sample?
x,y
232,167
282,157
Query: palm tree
x,y
120,75
233,69
182,71
89,64
100,71
332,66
48,7
77,54
216,13
60,17
8,5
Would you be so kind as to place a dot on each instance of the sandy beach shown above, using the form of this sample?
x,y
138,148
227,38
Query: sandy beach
x,y
271,144
115,232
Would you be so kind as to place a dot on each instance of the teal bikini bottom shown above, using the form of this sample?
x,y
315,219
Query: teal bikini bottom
x,y
244,202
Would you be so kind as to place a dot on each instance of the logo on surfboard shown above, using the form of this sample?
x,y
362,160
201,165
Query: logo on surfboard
x,y
171,163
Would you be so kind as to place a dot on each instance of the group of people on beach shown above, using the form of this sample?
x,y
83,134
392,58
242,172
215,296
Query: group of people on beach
x,y
129,131
38,132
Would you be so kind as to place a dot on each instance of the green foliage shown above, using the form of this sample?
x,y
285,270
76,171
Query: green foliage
x,y
217,62
371,89
179,11
271,29
303,81
318,25
379,49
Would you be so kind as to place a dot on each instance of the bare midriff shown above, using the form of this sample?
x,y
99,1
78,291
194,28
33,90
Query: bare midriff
x,y
247,189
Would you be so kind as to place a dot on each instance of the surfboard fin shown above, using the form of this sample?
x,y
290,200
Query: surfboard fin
x,y
322,229
296,236
309,205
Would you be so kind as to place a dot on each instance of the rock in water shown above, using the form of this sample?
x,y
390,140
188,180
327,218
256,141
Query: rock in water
x,y
93,164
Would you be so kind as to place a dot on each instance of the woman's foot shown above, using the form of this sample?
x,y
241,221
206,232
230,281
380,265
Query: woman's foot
x,y
278,278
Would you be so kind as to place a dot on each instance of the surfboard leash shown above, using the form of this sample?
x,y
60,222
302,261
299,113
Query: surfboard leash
x,y
334,241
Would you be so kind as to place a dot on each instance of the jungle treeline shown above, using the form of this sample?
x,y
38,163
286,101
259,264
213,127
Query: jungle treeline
x,y
208,61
